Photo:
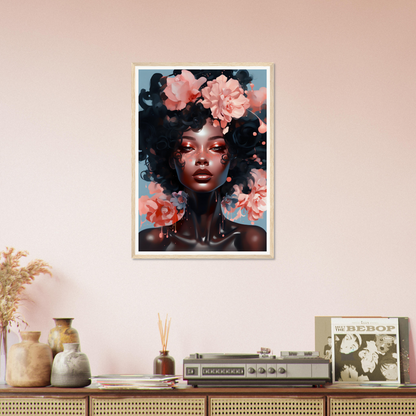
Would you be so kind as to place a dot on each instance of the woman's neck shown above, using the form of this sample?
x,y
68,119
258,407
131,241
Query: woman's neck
x,y
204,215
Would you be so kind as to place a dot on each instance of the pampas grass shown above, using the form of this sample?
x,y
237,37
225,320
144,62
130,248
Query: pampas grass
x,y
13,279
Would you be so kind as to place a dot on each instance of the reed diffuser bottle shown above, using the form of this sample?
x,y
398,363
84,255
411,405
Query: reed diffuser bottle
x,y
164,364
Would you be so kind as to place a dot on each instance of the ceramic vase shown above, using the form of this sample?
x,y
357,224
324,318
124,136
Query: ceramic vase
x,y
71,368
164,364
61,334
29,362
3,356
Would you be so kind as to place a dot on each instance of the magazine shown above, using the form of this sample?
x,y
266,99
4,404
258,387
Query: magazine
x,y
135,381
365,350
323,341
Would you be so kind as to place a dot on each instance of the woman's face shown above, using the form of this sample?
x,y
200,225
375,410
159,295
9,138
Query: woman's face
x,y
204,162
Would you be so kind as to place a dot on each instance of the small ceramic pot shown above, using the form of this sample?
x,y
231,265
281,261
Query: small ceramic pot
x,y
71,368
164,364
29,363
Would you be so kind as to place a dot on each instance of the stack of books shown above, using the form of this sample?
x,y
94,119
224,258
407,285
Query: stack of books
x,y
128,381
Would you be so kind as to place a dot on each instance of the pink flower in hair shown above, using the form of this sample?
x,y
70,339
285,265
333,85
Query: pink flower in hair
x,y
161,209
147,203
255,202
182,89
225,99
162,213
155,188
257,98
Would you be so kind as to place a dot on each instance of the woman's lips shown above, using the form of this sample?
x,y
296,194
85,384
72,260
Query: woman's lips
x,y
202,175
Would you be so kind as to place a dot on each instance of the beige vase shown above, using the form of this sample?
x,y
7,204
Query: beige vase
x,y
63,333
29,363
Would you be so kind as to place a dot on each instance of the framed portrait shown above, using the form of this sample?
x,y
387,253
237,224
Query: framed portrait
x,y
202,161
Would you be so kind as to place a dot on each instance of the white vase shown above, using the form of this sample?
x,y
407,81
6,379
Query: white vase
x,y
70,368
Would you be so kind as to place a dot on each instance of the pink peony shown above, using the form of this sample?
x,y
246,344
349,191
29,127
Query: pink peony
x,y
255,202
145,204
226,99
257,98
155,188
182,89
161,209
162,213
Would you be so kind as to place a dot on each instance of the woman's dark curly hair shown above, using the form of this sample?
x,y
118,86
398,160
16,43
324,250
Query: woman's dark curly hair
x,y
161,130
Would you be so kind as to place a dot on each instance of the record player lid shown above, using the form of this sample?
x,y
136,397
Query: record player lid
x,y
225,356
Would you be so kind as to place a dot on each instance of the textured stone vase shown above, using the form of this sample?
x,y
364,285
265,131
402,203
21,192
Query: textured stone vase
x,y
71,368
29,363
63,333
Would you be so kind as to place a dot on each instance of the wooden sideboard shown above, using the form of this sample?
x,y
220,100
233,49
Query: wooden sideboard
x,y
190,401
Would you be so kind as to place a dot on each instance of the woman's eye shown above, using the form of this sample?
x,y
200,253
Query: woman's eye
x,y
186,149
219,148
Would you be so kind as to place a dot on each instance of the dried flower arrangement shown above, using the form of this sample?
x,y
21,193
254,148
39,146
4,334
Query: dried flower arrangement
x,y
164,332
13,279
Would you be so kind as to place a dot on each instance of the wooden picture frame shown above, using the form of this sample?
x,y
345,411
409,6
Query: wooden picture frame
x,y
202,161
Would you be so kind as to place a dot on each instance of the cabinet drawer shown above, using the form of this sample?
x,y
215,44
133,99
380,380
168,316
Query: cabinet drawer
x,y
266,406
24,406
157,406
372,406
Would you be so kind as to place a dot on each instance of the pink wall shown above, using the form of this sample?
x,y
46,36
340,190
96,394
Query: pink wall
x,y
345,171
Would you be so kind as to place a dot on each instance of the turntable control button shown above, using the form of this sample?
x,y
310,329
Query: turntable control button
x,y
251,370
271,370
281,370
262,370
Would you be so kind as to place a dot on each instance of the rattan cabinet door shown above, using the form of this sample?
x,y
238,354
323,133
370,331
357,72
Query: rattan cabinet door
x,y
154,406
266,406
25,406
396,406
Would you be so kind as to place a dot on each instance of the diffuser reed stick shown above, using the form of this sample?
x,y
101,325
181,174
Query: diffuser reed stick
x,y
164,332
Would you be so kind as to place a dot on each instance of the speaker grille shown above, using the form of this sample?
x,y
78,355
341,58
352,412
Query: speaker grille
x,y
266,406
148,406
42,406
374,406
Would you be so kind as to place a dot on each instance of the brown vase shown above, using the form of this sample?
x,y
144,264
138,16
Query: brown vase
x,y
29,363
63,333
164,364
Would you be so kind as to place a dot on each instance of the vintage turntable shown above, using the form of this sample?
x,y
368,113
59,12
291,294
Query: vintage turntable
x,y
262,369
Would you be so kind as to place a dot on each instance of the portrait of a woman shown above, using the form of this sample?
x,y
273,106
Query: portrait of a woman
x,y
202,147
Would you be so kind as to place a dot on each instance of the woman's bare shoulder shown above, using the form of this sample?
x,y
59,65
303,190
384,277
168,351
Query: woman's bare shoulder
x,y
153,239
252,237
